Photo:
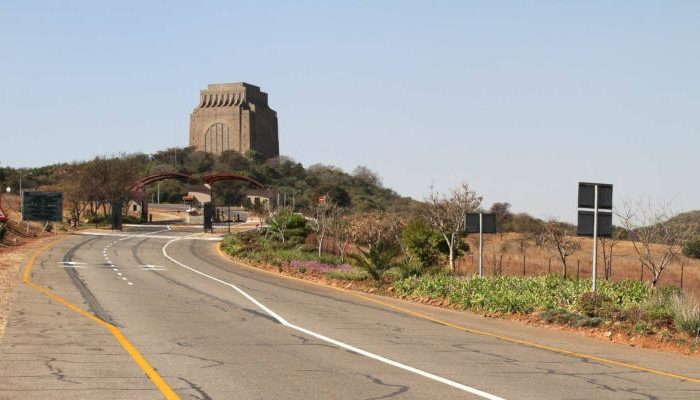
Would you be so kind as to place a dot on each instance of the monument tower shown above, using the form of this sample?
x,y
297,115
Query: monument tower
x,y
234,116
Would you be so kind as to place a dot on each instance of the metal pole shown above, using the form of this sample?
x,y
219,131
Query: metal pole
x,y
21,193
158,192
595,239
481,245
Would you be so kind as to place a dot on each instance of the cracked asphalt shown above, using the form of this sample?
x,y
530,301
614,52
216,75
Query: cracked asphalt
x,y
210,342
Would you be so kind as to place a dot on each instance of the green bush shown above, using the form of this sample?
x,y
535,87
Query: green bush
x,y
692,248
376,260
516,294
592,304
422,243
352,275
232,245
288,227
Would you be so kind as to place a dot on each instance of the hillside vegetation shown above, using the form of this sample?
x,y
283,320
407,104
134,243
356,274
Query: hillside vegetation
x,y
91,185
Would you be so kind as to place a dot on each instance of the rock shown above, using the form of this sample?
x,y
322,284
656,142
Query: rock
x,y
607,334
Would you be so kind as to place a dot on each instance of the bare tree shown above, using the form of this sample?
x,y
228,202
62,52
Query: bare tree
x,y
375,229
340,229
324,216
608,246
656,240
558,236
446,215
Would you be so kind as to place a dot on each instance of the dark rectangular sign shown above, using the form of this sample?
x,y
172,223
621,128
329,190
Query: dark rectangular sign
x,y
208,217
472,223
586,195
585,224
42,206
117,215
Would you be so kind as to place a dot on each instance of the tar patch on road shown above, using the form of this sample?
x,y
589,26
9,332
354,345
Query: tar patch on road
x,y
93,304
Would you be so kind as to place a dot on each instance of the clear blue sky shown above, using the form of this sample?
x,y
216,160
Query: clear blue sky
x,y
520,99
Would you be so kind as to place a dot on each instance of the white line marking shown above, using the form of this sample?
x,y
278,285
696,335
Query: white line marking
x,y
129,283
119,273
123,278
125,236
338,343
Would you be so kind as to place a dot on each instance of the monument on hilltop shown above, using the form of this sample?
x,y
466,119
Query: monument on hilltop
x,y
234,116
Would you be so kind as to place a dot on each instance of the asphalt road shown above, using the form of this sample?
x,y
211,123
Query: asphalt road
x,y
213,330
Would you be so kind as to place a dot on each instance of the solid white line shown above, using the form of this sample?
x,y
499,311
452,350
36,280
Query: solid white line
x,y
335,342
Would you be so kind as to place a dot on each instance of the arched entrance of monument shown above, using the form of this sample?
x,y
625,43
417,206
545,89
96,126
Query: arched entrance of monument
x,y
219,177
138,189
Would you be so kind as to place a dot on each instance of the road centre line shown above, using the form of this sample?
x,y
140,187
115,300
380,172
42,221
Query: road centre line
x,y
335,342
152,374
471,330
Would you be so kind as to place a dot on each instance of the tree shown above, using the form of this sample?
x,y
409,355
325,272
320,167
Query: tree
x,y
422,244
340,229
504,217
558,236
287,226
656,242
367,176
446,215
378,235
608,247
691,248
324,216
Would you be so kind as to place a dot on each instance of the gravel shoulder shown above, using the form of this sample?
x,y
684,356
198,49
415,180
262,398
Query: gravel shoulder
x,y
12,259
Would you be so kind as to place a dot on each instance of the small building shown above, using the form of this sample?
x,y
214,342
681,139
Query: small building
x,y
133,208
258,196
197,196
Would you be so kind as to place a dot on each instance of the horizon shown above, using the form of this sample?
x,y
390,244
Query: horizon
x,y
539,97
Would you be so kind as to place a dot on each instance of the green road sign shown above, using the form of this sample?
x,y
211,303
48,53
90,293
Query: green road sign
x,y
42,206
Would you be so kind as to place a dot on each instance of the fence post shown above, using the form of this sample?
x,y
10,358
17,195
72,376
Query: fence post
x,y
578,268
641,274
549,266
523,265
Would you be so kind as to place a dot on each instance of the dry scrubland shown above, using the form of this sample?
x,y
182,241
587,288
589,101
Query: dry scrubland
x,y
505,250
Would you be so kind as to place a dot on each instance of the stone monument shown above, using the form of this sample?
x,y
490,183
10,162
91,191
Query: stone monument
x,y
234,116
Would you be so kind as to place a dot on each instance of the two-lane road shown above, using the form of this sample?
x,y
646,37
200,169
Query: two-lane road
x,y
213,330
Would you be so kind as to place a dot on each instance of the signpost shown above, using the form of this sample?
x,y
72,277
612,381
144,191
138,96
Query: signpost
x,y
42,206
595,216
208,217
480,223
117,215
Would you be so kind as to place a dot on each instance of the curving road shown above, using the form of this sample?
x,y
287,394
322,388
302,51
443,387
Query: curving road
x,y
214,330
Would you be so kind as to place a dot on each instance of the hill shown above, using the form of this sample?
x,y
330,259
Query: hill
x,y
104,178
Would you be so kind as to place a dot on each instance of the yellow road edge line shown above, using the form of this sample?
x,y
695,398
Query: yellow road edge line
x,y
471,330
152,374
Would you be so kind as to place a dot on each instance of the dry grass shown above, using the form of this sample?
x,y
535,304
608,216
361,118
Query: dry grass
x,y
505,251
